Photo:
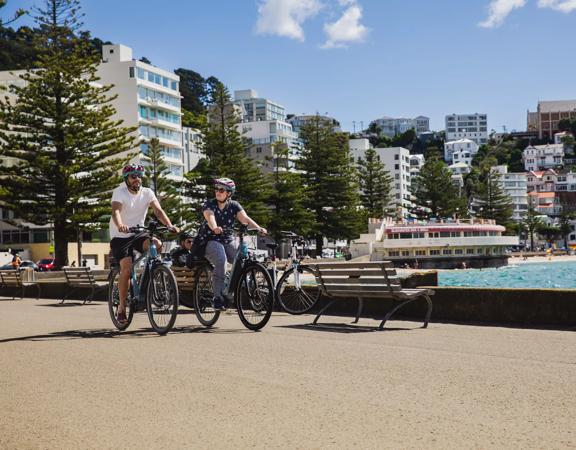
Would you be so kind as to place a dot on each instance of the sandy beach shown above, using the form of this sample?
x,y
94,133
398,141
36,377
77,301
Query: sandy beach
x,y
540,259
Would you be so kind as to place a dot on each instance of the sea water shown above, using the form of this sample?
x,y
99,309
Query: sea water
x,y
549,274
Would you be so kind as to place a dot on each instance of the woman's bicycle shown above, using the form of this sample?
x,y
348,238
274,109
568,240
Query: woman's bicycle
x,y
248,286
155,289
297,290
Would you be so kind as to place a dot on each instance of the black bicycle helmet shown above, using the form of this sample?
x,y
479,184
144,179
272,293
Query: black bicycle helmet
x,y
185,235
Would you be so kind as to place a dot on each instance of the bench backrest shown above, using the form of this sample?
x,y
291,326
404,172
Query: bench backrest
x,y
367,279
185,278
79,276
11,278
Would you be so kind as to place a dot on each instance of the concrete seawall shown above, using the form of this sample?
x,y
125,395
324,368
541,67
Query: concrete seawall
x,y
517,307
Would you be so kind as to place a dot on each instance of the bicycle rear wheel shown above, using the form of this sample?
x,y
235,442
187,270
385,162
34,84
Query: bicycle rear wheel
x,y
203,295
162,299
114,301
298,296
254,296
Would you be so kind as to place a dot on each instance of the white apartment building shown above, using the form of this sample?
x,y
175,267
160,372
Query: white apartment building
x,y
265,136
298,122
192,145
537,157
515,185
396,160
255,108
460,145
467,126
148,98
391,126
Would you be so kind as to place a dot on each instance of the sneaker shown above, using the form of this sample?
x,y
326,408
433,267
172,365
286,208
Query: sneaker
x,y
218,304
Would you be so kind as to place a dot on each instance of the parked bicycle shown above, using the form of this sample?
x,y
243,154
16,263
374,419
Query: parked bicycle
x,y
155,289
248,286
297,290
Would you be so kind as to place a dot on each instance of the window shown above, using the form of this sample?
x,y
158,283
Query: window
x,y
420,252
392,253
458,251
469,251
405,253
434,252
131,72
397,166
396,157
447,251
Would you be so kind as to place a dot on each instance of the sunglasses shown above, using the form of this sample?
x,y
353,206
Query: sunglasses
x,y
220,190
135,176
188,241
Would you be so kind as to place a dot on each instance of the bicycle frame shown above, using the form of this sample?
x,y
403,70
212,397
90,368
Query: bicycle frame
x,y
238,263
149,256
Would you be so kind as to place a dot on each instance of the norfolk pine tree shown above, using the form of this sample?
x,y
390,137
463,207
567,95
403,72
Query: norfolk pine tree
x,y
166,190
60,133
288,212
225,149
491,199
436,192
375,185
330,183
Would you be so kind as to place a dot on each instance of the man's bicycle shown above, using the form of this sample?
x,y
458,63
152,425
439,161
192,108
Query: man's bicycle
x,y
248,286
297,290
155,289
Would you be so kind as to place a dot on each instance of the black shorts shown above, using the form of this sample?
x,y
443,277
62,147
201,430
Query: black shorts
x,y
124,247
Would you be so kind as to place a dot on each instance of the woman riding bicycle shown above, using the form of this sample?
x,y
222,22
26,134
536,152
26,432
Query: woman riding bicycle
x,y
215,232
130,203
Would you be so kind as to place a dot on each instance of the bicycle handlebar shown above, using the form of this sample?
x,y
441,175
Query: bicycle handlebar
x,y
153,228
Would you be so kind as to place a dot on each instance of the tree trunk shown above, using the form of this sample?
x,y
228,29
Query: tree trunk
x,y
60,244
319,243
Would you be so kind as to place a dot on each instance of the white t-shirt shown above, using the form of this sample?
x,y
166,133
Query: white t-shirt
x,y
134,208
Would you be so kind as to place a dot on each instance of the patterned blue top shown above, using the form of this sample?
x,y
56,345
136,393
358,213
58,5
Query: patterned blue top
x,y
225,217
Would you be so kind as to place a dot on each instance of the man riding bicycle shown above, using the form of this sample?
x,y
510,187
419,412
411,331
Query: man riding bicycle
x,y
130,203
216,233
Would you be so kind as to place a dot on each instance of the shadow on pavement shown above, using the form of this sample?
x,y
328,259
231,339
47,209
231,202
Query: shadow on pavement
x,y
115,334
339,328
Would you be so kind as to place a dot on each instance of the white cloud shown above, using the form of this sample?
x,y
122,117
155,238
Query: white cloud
x,y
285,17
564,6
346,29
499,10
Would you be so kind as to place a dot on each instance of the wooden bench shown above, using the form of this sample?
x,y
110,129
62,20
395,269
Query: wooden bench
x,y
361,280
82,277
186,280
13,279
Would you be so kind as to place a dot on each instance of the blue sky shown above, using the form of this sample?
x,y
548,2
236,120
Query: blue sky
x,y
358,60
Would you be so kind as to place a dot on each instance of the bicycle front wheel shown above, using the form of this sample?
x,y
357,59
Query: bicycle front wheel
x,y
255,296
297,290
114,301
162,299
203,296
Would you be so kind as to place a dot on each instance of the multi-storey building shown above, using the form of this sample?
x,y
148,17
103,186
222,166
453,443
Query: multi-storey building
x,y
148,98
467,126
391,126
541,180
467,145
548,114
298,122
255,108
274,145
515,186
537,157
192,145
396,160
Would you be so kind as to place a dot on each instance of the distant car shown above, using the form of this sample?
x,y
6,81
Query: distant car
x,y
45,264
28,264
6,267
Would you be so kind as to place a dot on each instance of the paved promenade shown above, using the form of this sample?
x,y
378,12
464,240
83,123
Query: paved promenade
x,y
67,380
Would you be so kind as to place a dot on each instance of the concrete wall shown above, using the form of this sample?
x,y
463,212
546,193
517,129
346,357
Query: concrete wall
x,y
512,307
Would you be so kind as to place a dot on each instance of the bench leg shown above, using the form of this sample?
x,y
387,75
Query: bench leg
x,y
66,296
396,308
90,297
322,311
360,308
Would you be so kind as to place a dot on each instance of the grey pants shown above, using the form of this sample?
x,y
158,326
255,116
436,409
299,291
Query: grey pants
x,y
217,253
